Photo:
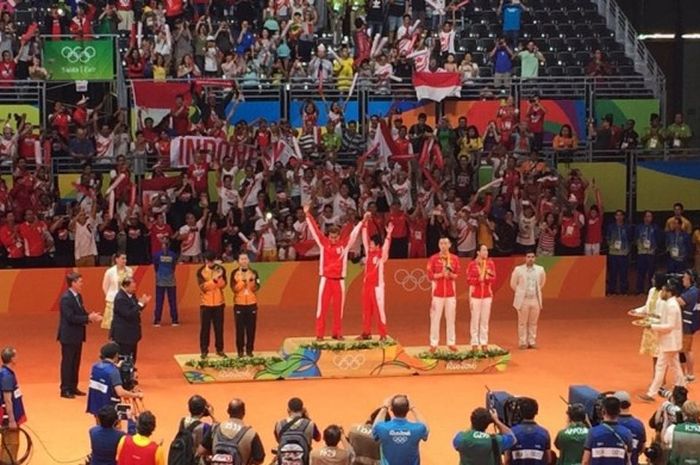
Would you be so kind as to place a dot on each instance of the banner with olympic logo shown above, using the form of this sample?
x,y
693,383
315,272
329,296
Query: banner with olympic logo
x,y
72,60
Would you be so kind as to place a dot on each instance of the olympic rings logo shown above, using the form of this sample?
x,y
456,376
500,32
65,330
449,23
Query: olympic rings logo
x,y
399,439
349,361
78,54
412,280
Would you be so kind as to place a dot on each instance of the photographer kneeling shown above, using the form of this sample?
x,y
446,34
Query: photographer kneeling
x,y
106,383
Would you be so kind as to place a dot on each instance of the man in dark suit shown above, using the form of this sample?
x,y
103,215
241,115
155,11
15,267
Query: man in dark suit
x,y
71,334
126,324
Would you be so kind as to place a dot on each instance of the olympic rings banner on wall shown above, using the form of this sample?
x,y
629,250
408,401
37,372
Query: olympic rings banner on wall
x,y
73,60
294,285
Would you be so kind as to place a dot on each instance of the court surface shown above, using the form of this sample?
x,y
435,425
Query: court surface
x,y
581,342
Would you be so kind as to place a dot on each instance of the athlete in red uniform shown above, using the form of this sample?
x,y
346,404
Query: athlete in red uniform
x,y
481,274
332,267
443,268
373,282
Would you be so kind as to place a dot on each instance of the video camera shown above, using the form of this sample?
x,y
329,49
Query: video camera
x,y
127,372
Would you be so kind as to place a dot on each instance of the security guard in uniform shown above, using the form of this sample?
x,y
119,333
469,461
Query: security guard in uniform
x,y
245,282
106,382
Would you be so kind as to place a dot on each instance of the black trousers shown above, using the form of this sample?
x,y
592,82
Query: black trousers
x,y
70,366
128,349
246,317
208,317
398,247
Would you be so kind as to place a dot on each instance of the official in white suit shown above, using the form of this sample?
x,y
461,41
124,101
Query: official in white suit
x,y
670,339
527,281
111,283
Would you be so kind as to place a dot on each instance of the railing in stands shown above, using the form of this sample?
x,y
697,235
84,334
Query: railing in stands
x,y
644,62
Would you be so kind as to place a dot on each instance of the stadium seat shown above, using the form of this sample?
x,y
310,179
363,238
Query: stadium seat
x,y
574,44
566,30
574,71
558,17
478,30
582,30
582,58
591,43
556,71
468,45
484,45
555,44
565,59
485,71
548,30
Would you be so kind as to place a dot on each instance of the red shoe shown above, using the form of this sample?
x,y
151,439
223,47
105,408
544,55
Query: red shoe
x,y
452,348
432,349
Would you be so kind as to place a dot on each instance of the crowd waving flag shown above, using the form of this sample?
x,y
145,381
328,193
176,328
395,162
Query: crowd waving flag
x,y
437,86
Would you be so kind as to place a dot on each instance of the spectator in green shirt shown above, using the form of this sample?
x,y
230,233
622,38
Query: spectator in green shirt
x,y
570,440
331,139
530,59
653,136
476,446
678,134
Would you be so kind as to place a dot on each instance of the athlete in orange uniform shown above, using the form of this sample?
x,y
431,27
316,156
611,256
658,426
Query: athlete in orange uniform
x,y
481,274
332,266
373,282
443,268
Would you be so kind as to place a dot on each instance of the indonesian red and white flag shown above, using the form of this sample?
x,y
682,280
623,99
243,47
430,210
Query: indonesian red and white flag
x,y
437,86
383,145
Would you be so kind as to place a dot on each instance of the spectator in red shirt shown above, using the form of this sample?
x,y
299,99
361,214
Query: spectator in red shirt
x,y
37,240
198,173
535,121
594,225
180,116
8,66
399,235
157,231
81,24
134,64
571,223
13,243
60,120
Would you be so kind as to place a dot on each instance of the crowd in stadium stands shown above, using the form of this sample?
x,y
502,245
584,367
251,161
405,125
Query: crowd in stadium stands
x,y
295,40
427,188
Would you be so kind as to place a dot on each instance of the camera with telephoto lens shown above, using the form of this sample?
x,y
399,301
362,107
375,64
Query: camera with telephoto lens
x,y
127,372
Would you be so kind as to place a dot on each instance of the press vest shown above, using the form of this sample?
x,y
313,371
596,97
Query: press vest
x,y
101,392
685,447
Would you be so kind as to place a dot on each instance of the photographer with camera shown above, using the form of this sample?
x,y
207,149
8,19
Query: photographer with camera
x,y
684,438
570,441
476,446
12,406
105,437
106,383
668,415
191,432
297,431
609,443
534,446
399,439
126,325
232,441
636,427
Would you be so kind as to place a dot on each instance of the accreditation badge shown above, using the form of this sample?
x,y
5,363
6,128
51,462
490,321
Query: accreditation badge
x,y
675,253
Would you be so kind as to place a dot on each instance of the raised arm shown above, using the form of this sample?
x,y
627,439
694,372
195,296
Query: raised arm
x,y
387,242
313,226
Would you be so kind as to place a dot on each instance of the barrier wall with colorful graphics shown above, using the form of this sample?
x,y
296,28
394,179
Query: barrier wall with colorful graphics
x,y
559,113
624,109
410,109
662,183
32,112
294,284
